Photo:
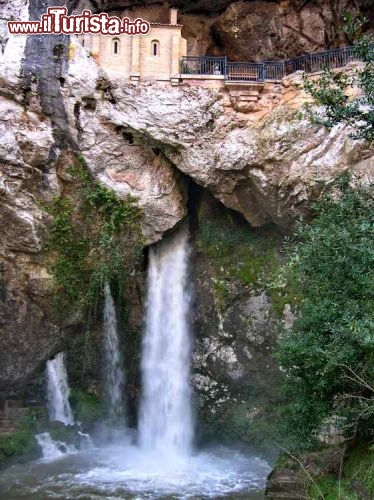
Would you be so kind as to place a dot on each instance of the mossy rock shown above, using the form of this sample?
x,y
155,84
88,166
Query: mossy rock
x,y
65,433
18,446
88,408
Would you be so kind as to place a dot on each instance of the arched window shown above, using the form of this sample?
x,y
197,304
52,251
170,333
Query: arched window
x,y
155,48
116,46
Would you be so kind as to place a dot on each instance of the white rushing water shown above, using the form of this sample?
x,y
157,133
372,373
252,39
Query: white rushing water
x,y
53,449
113,367
58,391
166,423
124,471
59,408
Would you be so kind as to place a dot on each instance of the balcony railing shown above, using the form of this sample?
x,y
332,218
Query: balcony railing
x,y
203,65
311,63
274,70
267,70
245,72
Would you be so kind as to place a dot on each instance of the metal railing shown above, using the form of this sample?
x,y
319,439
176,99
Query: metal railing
x,y
267,70
316,61
274,70
206,65
296,64
245,72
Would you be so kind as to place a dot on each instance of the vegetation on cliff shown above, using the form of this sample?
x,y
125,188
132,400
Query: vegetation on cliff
x,y
95,237
237,253
328,354
20,444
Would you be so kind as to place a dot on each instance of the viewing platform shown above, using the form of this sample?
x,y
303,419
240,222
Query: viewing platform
x,y
161,55
208,68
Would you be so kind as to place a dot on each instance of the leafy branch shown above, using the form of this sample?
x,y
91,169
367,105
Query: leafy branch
x,y
332,90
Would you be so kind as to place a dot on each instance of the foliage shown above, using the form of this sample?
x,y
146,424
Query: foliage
x,y
331,89
328,355
95,237
19,443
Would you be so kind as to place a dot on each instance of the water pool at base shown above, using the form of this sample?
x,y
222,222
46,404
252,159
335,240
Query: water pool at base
x,y
125,472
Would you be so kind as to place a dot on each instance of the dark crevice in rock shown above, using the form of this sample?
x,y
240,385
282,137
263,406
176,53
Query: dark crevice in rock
x,y
2,286
89,103
105,86
78,126
128,136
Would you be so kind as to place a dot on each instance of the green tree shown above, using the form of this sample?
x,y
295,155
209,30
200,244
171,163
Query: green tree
x,y
328,355
331,90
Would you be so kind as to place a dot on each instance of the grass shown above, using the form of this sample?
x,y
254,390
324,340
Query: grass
x,y
332,490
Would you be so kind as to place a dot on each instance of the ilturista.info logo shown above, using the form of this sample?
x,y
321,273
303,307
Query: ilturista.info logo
x,y
57,22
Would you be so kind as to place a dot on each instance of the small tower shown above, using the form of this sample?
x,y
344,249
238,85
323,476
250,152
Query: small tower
x,y
173,17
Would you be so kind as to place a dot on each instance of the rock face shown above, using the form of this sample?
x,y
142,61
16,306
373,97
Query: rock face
x,y
277,30
250,30
267,164
25,327
235,323
233,365
265,161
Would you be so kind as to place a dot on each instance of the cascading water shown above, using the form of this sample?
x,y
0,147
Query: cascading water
x,y
59,408
113,369
53,449
161,467
165,415
58,391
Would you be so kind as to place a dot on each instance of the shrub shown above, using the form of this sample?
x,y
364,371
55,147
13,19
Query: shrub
x,y
331,89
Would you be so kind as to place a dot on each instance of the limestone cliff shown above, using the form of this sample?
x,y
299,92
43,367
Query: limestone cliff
x,y
262,159
250,30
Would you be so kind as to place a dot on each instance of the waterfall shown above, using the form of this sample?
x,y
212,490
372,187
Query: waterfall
x,y
58,391
165,414
59,408
113,370
161,464
53,449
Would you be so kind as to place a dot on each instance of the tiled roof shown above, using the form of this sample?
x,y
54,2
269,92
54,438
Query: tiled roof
x,y
167,24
